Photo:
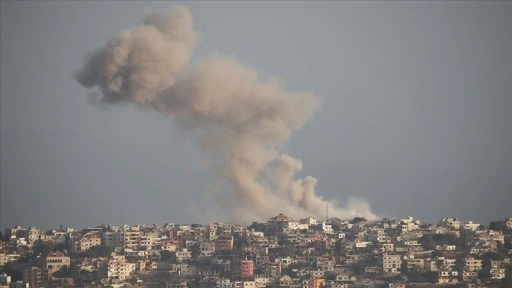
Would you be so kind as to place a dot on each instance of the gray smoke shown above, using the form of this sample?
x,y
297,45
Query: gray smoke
x,y
244,120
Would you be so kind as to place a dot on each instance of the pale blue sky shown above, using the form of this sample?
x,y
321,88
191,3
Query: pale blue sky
x,y
415,117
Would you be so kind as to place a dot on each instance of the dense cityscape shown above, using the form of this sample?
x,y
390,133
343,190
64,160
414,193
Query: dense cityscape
x,y
281,252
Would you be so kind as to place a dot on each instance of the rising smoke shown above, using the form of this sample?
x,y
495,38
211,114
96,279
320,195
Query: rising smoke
x,y
244,120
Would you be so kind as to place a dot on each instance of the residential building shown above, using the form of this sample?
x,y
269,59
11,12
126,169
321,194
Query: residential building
x,y
55,261
118,268
472,264
391,263
86,241
224,243
242,269
113,239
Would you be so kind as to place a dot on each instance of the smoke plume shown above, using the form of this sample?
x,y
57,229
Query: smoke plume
x,y
244,120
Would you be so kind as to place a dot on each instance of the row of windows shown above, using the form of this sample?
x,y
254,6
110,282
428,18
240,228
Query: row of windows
x,y
57,260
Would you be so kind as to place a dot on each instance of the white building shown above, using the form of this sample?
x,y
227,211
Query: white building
x,y
470,225
118,268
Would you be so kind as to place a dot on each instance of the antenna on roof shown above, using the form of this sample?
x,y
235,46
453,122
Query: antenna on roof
x,y
326,212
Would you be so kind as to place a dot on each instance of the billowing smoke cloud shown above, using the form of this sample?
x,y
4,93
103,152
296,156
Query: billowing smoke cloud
x,y
245,121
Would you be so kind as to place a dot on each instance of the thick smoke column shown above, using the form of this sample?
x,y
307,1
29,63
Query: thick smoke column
x,y
244,120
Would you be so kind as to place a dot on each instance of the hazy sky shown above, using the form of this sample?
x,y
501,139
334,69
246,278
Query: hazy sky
x,y
415,118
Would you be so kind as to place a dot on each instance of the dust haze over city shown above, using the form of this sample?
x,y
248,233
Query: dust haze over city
x,y
154,112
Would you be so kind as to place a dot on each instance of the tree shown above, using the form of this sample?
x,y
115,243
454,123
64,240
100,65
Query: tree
x,y
283,251
84,276
427,241
61,247
484,274
447,239
507,282
167,255
15,270
498,226
98,251
262,227
358,220
437,253
336,227
330,276
239,243
259,227
96,276
41,248
64,273
488,257
338,247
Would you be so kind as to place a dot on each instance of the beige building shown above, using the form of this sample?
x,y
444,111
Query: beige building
x,y
472,264
447,276
206,249
4,258
131,239
85,242
468,276
118,268
497,273
391,263
451,222
55,261
183,254
497,269
415,264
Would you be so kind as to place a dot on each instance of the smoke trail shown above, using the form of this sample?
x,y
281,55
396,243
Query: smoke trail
x,y
244,120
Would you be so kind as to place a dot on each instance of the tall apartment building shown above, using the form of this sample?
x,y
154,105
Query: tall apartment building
x,y
118,268
113,239
207,249
132,239
242,270
35,276
391,263
224,243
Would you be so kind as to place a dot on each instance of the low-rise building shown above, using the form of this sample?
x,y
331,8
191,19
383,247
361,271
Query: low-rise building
x,y
472,264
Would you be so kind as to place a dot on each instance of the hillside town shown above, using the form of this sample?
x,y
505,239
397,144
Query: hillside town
x,y
282,252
